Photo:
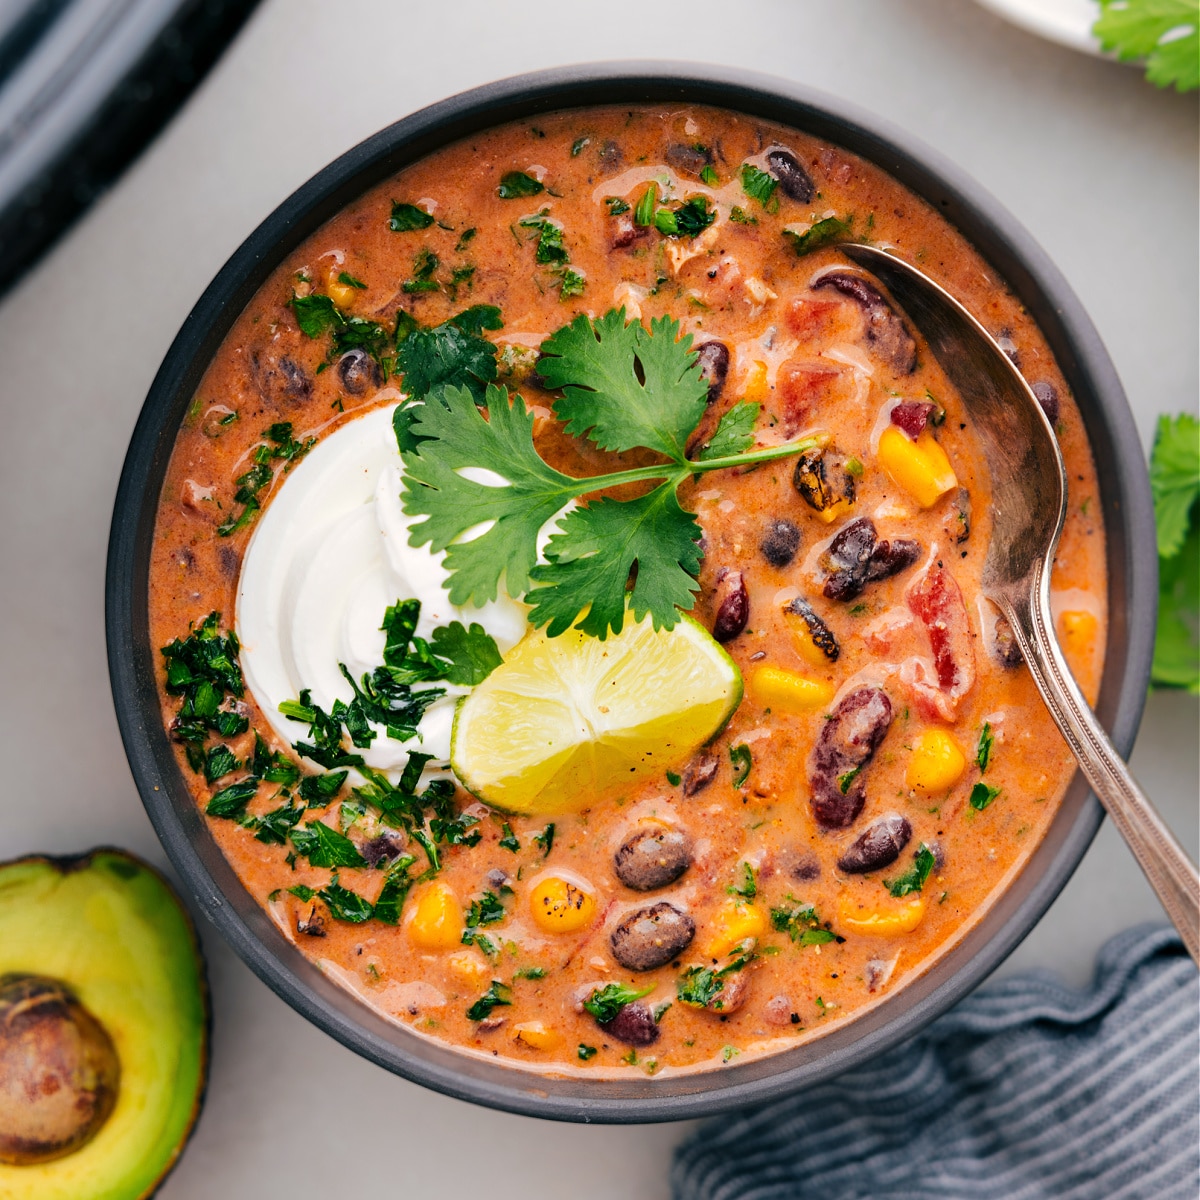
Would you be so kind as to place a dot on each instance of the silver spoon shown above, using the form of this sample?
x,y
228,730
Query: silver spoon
x,y
1029,502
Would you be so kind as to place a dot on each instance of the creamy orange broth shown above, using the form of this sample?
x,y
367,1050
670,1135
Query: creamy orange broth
x,y
743,285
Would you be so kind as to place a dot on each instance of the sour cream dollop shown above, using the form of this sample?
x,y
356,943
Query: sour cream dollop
x,y
328,556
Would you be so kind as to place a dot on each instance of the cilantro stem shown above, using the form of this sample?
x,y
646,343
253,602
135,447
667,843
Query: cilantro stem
x,y
680,470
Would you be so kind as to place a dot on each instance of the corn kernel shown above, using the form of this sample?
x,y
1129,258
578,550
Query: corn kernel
x,y
342,294
755,389
803,642
901,917
535,1035
921,468
1077,634
777,689
437,922
937,763
835,511
561,906
733,924
469,968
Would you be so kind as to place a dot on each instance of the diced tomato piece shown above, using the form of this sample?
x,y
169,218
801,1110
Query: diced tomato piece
x,y
808,316
803,387
937,602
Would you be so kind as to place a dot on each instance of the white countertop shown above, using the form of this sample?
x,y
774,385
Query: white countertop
x,y
1097,164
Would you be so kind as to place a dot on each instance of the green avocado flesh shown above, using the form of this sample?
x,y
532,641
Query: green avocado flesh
x,y
111,929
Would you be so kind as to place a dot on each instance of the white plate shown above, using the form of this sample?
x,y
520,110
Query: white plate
x,y
1068,22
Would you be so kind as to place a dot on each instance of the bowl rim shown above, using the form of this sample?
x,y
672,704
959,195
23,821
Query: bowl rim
x,y
208,878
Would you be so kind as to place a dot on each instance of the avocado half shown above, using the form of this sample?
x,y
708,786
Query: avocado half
x,y
102,982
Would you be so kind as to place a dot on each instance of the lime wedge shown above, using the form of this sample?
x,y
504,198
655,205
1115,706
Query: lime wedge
x,y
568,721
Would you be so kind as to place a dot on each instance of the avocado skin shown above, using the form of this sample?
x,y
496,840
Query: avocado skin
x,y
111,927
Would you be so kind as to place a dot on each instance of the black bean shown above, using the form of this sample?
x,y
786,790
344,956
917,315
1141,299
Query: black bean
x,y
1047,395
848,559
610,155
820,633
780,543
382,849
296,383
714,366
690,159
890,558
634,1025
794,180
650,937
699,773
358,371
877,846
806,868
847,742
886,333
733,607
230,561
652,857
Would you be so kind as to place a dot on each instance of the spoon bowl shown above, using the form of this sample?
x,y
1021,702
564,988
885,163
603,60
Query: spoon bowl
x,y
1029,504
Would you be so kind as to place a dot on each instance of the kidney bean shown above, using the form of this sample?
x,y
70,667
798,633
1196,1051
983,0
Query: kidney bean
x,y
625,232
794,181
358,371
634,1025
886,333
652,857
845,746
779,1011
892,557
848,559
1047,395
699,773
735,988
877,846
912,416
780,543
690,160
714,366
650,937
733,607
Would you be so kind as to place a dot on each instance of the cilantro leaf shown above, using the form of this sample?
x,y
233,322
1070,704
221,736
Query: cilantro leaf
x,y
451,503
516,184
325,847
625,386
230,802
1174,478
698,987
604,1003
742,760
470,652
1140,29
983,751
496,995
451,354
820,233
597,547
407,217
315,314
735,431
1177,644
913,880
982,795
748,888
345,905
396,885
760,185
801,923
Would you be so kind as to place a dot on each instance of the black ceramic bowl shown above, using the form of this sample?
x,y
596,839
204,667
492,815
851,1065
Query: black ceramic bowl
x,y
133,660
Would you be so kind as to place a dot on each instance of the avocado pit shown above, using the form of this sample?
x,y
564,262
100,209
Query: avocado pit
x,y
59,1071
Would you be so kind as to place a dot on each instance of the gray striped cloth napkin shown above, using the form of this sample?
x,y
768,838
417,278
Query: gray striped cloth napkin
x,y
1027,1090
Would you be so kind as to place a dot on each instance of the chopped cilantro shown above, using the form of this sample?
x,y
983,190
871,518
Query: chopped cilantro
x,y
453,353
219,762
273,827
345,905
517,184
530,973
689,220
708,175
464,239
913,880
742,761
844,781
407,217
616,206
346,278
820,233
586,1052
643,214
699,987
424,266
604,1003
748,888
801,923
509,840
578,144
280,445
550,245
303,891
325,847
983,750
496,996
545,839
1166,33
396,885
739,216
571,283
674,778
760,186
230,802
982,795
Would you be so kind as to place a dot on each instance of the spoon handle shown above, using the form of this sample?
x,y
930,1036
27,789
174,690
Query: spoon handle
x,y
1165,863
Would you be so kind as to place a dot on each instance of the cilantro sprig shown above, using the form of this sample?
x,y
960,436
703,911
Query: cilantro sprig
x,y
1175,483
624,387
1166,33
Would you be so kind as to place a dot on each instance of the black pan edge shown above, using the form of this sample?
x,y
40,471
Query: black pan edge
x,y
132,660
